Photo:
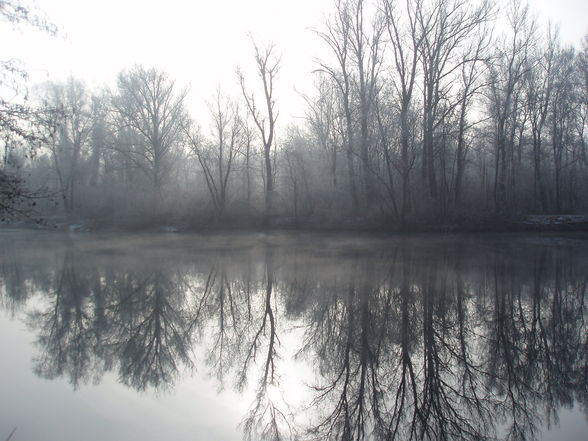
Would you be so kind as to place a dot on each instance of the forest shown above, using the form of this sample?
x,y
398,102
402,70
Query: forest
x,y
424,113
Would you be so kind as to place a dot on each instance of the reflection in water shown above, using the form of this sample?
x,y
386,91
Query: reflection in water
x,y
409,340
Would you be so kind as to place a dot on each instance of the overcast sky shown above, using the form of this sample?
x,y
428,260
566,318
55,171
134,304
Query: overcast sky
x,y
200,43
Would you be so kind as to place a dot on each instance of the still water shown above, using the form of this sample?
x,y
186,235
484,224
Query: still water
x,y
293,336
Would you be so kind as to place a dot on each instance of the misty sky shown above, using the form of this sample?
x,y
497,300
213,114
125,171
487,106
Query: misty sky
x,y
201,42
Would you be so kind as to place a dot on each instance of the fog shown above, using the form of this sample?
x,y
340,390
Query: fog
x,y
422,115
161,272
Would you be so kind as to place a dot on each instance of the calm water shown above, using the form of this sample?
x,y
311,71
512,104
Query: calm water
x,y
224,337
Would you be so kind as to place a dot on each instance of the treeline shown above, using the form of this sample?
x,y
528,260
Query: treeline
x,y
423,111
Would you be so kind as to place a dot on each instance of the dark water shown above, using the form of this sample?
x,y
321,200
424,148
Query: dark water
x,y
224,337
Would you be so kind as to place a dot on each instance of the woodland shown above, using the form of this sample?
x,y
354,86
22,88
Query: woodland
x,y
425,114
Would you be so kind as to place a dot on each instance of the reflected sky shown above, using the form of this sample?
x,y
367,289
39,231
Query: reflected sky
x,y
293,336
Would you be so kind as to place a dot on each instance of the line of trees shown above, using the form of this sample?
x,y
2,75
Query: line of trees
x,y
437,114
423,110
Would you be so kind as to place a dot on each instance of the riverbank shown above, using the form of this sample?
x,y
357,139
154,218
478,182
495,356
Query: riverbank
x,y
527,223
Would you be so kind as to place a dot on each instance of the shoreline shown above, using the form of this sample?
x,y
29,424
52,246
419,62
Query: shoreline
x,y
529,224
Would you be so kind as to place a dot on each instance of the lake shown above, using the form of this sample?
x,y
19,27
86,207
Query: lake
x,y
293,336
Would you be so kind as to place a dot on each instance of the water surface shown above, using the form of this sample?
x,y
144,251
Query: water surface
x,y
225,337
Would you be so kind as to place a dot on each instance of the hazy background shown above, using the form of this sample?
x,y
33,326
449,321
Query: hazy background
x,y
201,43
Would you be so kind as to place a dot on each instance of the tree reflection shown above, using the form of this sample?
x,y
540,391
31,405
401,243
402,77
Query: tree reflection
x,y
537,347
235,312
445,343
396,359
68,338
94,319
347,333
151,336
267,418
440,360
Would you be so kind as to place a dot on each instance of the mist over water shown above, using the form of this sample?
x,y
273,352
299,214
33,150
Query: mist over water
x,y
300,336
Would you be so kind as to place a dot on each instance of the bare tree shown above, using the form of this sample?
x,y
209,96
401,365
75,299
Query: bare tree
x,y
21,125
563,110
507,73
268,66
366,50
74,124
386,146
248,152
473,69
99,138
582,122
326,125
295,151
337,35
148,104
406,42
217,156
445,27
539,90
